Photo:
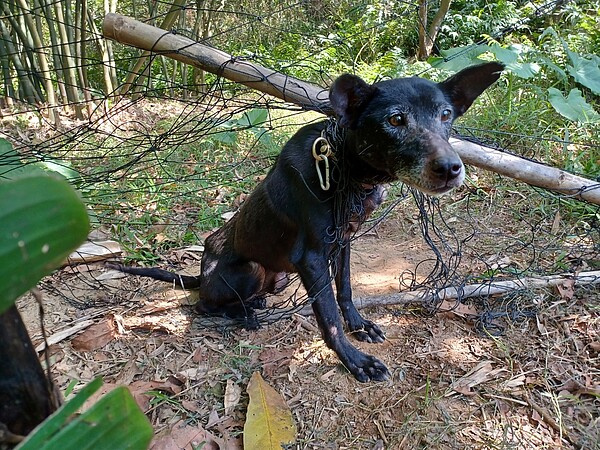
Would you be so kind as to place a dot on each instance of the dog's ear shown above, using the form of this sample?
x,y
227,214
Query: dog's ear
x,y
348,95
465,86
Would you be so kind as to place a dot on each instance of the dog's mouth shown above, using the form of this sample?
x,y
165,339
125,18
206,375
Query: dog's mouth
x,y
434,187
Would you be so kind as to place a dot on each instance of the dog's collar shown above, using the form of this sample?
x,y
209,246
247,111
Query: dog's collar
x,y
321,152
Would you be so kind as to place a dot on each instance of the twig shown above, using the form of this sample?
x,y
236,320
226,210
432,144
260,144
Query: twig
x,y
550,421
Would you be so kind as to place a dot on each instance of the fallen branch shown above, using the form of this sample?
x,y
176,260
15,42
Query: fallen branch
x,y
536,174
478,290
146,37
429,296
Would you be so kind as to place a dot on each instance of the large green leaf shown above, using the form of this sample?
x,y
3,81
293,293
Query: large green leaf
x,y
585,71
114,422
456,59
42,219
574,107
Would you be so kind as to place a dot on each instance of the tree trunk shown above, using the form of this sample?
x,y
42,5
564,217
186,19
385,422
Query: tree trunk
x,y
58,66
422,29
102,49
428,35
26,395
80,53
70,73
26,86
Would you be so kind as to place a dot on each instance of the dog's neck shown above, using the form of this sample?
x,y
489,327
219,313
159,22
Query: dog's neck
x,y
352,168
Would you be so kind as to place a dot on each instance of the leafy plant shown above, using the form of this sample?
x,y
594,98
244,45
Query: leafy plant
x,y
42,219
114,421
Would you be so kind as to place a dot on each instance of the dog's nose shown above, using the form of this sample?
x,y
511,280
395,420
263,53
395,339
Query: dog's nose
x,y
447,169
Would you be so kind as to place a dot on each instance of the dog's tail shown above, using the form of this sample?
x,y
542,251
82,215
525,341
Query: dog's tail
x,y
183,281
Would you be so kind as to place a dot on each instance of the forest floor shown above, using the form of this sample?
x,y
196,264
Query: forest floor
x,y
535,386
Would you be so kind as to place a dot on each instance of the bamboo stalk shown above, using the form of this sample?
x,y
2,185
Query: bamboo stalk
x,y
143,36
137,34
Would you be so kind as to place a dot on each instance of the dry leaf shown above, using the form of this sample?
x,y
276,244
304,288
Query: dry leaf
x,y
566,289
94,251
182,436
96,336
273,359
458,308
233,393
481,373
269,422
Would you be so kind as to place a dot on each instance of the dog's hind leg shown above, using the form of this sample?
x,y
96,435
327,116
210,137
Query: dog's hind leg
x,y
361,328
234,291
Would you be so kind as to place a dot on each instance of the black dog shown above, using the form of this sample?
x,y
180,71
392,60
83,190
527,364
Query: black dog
x,y
324,184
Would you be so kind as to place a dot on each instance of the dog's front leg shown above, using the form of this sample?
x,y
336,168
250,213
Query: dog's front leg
x,y
361,328
314,272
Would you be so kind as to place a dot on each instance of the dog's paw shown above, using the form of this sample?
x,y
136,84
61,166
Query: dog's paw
x,y
368,332
258,302
251,322
369,368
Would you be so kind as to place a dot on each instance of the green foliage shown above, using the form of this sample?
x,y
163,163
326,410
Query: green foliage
x,y
113,422
42,219
573,107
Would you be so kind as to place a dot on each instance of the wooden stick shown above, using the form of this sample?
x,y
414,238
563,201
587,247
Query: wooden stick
x,y
138,34
146,37
431,295
530,172
477,290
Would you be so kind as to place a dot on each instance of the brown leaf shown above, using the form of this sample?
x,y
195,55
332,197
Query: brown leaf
x,y
566,289
188,437
479,374
273,359
96,336
459,309
233,393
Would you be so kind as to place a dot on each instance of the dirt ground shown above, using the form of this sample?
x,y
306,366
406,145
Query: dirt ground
x,y
535,386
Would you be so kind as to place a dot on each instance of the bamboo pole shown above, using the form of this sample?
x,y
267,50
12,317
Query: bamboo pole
x,y
137,34
146,37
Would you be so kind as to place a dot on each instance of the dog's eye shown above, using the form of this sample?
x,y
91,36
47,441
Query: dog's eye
x,y
446,115
397,120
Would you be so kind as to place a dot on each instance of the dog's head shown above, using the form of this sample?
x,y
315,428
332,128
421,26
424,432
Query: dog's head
x,y
400,128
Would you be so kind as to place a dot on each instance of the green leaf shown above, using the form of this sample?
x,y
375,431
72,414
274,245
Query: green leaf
x,y
11,166
254,117
62,169
456,59
585,71
574,107
42,219
114,422
59,418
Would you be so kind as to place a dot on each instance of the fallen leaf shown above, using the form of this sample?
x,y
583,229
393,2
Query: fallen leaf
x,y
273,359
188,437
481,373
269,422
213,419
458,308
233,393
96,336
566,289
